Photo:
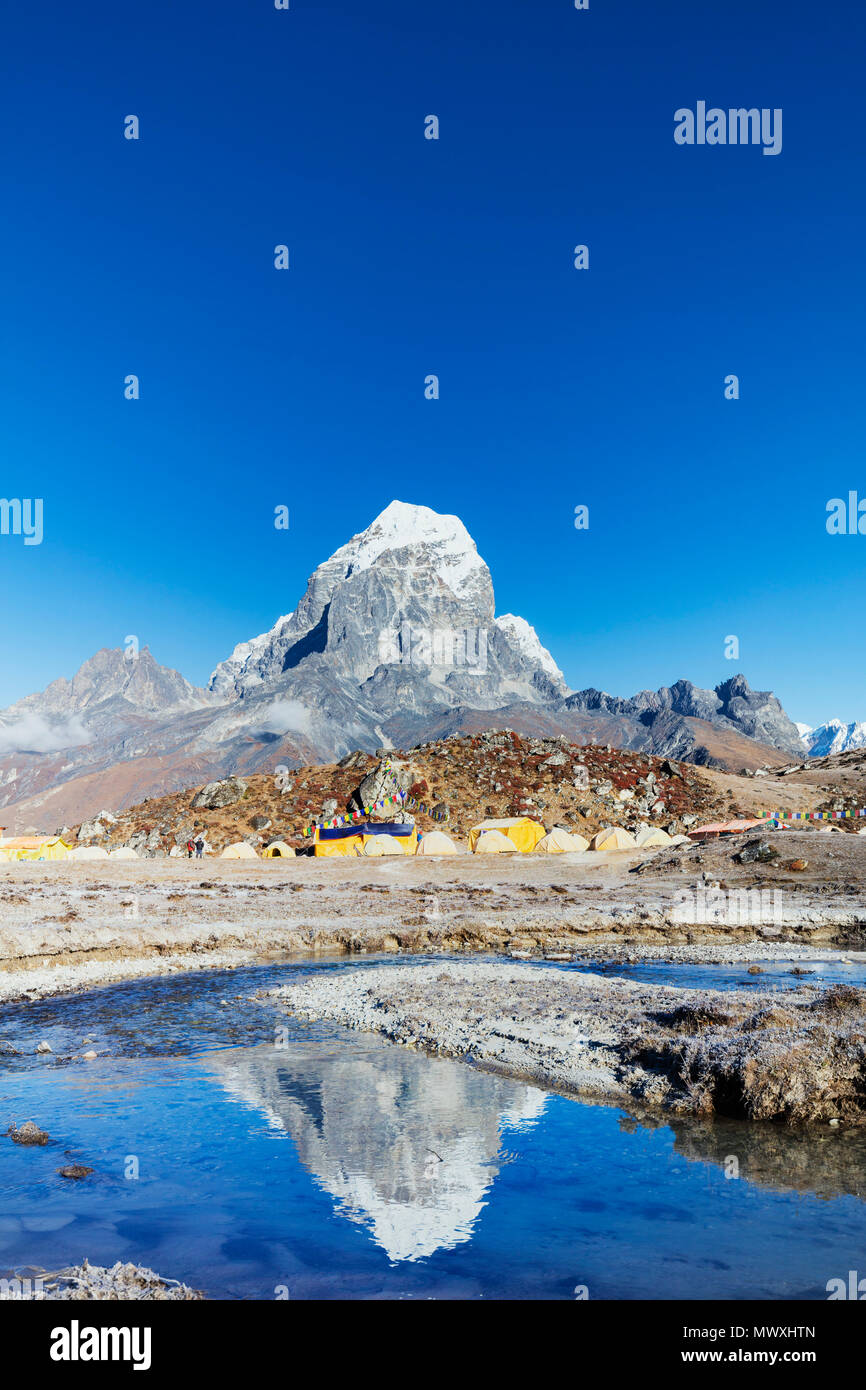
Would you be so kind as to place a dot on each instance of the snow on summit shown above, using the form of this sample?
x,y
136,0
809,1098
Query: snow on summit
x,y
404,524
524,636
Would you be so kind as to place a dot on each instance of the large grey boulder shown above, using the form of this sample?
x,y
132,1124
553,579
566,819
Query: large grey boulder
x,y
385,780
92,830
215,795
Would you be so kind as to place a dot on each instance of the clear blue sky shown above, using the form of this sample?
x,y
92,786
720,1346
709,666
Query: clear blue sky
x,y
558,387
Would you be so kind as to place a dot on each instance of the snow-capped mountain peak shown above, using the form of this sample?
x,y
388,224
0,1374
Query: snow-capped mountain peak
x,y
523,635
405,525
833,737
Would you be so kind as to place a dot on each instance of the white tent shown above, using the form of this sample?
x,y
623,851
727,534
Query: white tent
x,y
377,845
559,841
436,842
613,837
123,852
241,850
648,836
494,842
88,852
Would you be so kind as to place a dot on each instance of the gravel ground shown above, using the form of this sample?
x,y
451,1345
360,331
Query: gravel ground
x,y
76,926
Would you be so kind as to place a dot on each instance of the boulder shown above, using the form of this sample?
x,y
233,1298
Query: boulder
x,y
28,1133
92,830
353,760
385,780
215,795
756,852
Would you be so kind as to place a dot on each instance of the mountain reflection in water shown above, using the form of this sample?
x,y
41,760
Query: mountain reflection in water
x,y
408,1146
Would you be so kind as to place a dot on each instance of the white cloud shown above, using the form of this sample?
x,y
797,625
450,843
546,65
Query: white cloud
x,y
284,717
33,734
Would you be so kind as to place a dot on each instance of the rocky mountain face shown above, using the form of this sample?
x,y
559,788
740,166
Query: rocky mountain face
x,y
395,640
756,714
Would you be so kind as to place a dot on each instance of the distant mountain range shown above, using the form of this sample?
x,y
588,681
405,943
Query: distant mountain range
x,y
394,642
832,737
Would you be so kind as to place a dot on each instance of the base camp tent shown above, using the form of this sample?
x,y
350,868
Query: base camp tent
x,y
88,852
239,851
436,842
377,845
559,841
719,828
523,833
648,836
613,837
351,839
21,847
494,842
123,852
278,849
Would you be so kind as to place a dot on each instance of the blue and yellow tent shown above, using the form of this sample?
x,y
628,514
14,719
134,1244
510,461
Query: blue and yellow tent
x,y
352,839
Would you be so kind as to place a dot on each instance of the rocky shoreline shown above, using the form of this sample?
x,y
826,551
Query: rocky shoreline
x,y
794,1057
86,1282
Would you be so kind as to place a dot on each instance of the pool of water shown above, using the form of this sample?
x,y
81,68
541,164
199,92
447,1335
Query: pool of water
x,y
330,1164
777,974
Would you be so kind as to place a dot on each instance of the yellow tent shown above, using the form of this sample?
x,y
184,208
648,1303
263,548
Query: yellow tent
x,y
523,833
278,850
558,841
351,845
436,842
241,850
494,842
614,837
30,847
344,840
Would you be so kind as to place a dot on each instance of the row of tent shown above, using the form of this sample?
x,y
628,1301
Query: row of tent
x,y
34,848
517,833
373,839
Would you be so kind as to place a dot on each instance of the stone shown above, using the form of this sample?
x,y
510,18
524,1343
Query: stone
x,y
214,795
756,852
92,830
44,1047
28,1133
75,1171
264,822
385,780
353,760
